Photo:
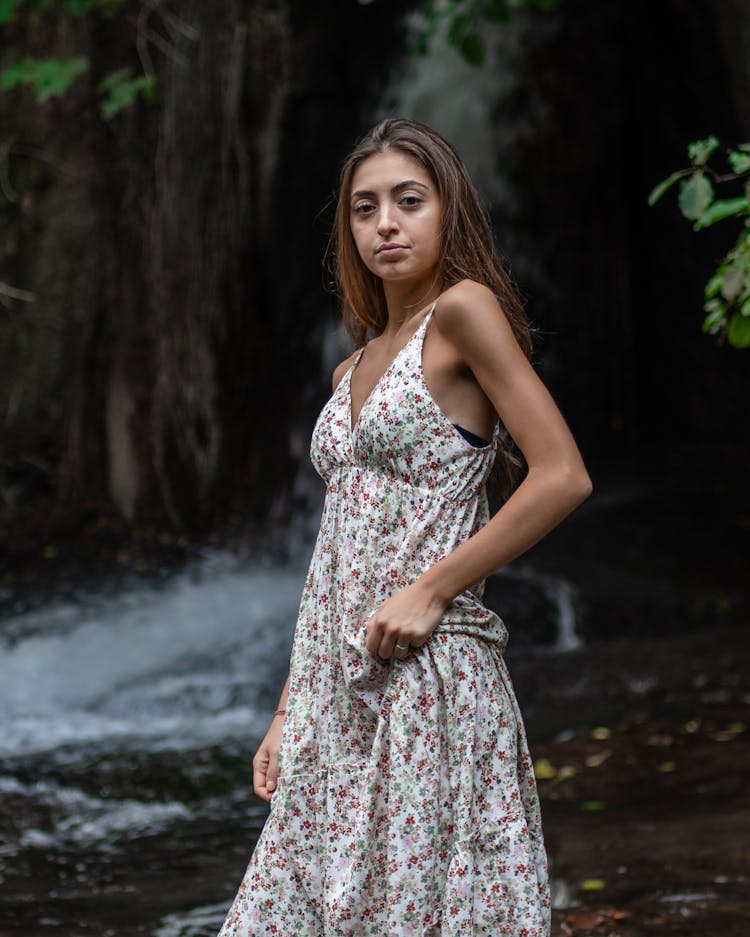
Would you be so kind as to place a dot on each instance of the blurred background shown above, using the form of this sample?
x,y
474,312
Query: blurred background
x,y
168,330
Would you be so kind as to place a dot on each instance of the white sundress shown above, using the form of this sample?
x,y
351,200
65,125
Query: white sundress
x,y
406,802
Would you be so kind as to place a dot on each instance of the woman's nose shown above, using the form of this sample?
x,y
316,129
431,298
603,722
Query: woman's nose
x,y
386,220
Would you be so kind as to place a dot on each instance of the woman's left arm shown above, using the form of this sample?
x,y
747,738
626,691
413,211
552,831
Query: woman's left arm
x,y
555,484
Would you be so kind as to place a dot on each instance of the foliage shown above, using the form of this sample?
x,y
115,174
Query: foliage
x,y
120,91
50,77
461,20
727,293
8,8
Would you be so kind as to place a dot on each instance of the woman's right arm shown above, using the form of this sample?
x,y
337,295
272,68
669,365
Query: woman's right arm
x,y
266,761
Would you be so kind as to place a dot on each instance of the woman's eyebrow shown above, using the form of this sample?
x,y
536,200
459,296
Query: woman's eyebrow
x,y
406,184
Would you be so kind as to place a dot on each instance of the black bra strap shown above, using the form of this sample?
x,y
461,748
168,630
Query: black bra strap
x,y
472,438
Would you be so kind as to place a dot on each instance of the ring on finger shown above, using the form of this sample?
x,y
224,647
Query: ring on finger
x,y
401,647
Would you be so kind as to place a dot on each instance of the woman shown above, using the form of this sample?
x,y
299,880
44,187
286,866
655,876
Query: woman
x,y
403,799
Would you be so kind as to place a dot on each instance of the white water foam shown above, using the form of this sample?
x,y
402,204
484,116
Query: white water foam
x,y
200,922
194,659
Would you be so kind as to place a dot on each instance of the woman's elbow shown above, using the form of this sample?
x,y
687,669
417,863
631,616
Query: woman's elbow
x,y
579,484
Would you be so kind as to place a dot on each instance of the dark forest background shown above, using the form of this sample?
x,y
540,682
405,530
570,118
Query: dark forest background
x,y
165,317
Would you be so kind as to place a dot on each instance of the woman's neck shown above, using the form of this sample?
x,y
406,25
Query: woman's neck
x,y
406,299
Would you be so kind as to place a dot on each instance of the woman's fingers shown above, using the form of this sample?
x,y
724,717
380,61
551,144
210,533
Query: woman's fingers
x,y
265,772
260,768
386,644
266,764
272,771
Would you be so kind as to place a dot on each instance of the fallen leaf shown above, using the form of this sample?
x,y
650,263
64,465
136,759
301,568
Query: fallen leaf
x,y
723,736
667,766
544,769
592,884
593,806
598,758
584,919
601,732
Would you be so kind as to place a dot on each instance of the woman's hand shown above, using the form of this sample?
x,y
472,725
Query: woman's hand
x,y
405,620
266,761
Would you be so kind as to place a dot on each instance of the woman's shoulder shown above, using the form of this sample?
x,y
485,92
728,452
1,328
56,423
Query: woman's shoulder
x,y
340,370
467,307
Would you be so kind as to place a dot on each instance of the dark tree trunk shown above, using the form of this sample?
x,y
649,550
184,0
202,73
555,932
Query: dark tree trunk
x,y
198,338
598,104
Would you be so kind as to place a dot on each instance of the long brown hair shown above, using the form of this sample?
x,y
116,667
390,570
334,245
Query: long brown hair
x,y
467,247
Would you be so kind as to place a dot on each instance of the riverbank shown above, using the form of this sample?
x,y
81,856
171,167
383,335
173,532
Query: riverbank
x,y
646,825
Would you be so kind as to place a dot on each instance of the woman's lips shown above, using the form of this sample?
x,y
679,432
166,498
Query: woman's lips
x,y
391,249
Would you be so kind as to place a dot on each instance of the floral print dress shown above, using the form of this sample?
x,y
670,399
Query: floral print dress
x,y
406,802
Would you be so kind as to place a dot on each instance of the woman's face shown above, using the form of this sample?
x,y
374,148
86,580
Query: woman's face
x,y
395,215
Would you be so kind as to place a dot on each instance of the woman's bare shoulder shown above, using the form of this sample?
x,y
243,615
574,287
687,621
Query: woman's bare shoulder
x,y
467,297
469,312
340,370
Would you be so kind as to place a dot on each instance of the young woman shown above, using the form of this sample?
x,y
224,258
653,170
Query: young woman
x,y
403,799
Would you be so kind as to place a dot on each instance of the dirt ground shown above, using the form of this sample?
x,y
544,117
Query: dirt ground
x,y
648,826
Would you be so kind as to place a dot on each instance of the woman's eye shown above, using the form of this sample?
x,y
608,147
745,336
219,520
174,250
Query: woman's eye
x,y
411,201
364,208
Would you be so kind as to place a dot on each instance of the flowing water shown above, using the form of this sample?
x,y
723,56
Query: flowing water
x,y
132,717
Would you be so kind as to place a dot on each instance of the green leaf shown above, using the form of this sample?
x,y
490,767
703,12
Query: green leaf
x,y
47,77
695,195
713,286
738,331
714,319
594,806
121,90
419,45
733,279
593,884
661,188
740,162
544,769
700,151
460,25
667,767
8,9
472,49
720,209
79,7
496,11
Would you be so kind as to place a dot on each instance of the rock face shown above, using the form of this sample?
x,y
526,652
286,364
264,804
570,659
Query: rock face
x,y
175,252
173,359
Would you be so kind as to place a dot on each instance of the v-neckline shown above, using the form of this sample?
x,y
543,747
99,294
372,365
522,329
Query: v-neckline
x,y
354,425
